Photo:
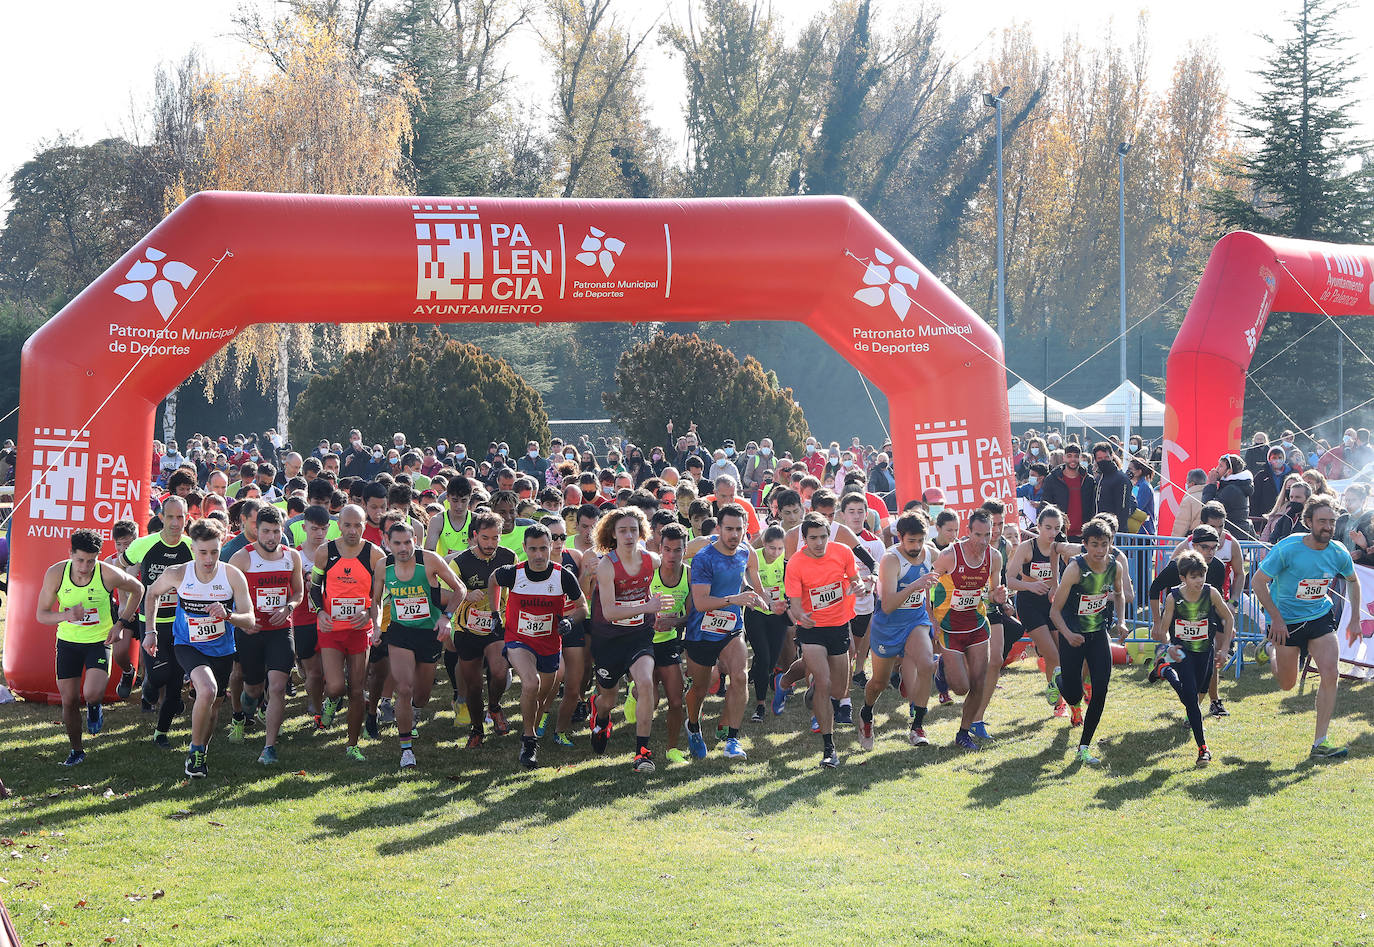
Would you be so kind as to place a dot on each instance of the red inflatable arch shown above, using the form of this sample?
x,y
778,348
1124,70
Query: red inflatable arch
x,y
1248,276
94,374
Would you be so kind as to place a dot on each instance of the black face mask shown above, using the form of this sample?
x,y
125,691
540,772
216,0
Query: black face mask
x,y
1106,466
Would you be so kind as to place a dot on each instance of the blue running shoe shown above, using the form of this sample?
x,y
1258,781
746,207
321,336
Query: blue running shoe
x,y
733,751
965,742
815,725
97,723
980,730
696,744
780,695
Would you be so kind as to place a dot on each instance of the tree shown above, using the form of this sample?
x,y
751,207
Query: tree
x,y
312,127
16,325
685,378
1306,175
428,385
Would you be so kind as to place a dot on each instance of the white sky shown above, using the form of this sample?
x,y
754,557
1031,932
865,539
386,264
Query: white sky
x,y
82,67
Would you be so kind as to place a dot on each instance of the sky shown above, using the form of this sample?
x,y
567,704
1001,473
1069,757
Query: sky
x,y
92,83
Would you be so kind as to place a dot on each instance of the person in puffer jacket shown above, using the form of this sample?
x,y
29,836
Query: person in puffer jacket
x,y
1232,485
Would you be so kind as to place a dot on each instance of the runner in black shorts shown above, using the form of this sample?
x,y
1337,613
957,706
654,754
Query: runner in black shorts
x,y
305,633
478,637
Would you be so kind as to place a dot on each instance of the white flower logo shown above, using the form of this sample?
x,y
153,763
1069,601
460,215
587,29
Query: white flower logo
x,y
597,247
879,284
164,294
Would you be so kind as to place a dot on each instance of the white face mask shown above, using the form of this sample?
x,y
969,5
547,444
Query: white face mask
x,y
440,450
847,464
765,451
534,453
1033,480
811,448
377,454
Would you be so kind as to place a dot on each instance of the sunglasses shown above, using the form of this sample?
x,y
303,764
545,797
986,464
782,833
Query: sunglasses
x,y
558,537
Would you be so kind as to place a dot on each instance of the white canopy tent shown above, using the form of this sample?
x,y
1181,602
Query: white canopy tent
x,y
1029,405
1120,406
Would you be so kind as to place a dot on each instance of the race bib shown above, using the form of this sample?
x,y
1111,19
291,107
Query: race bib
x,y
719,620
534,626
270,599
202,628
347,609
1190,630
915,600
826,595
411,607
481,622
1093,604
1041,571
1311,590
166,600
775,592
634,621
962,601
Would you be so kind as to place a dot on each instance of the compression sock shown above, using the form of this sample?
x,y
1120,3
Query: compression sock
x,y
641,743
828,741
866,713
732,733
919,717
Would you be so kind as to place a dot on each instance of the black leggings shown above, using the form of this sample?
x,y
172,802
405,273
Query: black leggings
x,y
451,666
165,676
765,634
1012,632
1096,649
1190,677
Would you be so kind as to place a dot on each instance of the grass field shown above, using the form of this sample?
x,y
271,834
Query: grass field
x,y
1008,846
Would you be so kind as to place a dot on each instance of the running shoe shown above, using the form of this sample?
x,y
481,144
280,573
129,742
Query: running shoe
x,y
1088,691
696,744
96,724
1219,709
462,717
1326,750
355,754
980,730
563,740
542,727
1157,671
125,685
1085,755
331,707
964,741
474,740
407,758
916,736
319,723
386,711
865,733
845,714
581,712
160,740
942,685
1075,716
528,750
944,698
370,726
675,756
195,765
733,750
830,759
644,761
1059,679
630,705
815,725
498,721
1052,695
859,679
146,705
268,756
757,715
722,732
1061,708
236,728
601,735
780,694
77,757
1204,755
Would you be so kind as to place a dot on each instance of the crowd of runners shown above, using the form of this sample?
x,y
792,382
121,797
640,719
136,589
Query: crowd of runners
x,y
705,596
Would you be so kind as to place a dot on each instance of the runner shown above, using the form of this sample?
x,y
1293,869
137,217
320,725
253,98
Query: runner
x,y
1004,627
503,504
205,590
1291,583
451,532
1229,552
724,575
538,594
968,569
671,579
765,628
409,584
1192,612
341,588
123,534
304,631
152,555
276,584
901,628
76,597
854,514
479,638
622,631
574,667
1034,574
819,583
1092,588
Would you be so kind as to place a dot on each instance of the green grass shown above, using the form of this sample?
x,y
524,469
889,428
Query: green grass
x,y
1012,845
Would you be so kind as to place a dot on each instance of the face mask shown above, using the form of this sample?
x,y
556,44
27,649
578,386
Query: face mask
x,y
1033,480
936,509
1349,440
882,465
765,451
1035,451
569,456
657,457
460,455
503,452
534,453
276,440
440,450
608,490
377,455
588,492
847,464
729,452
1104,465
811,448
